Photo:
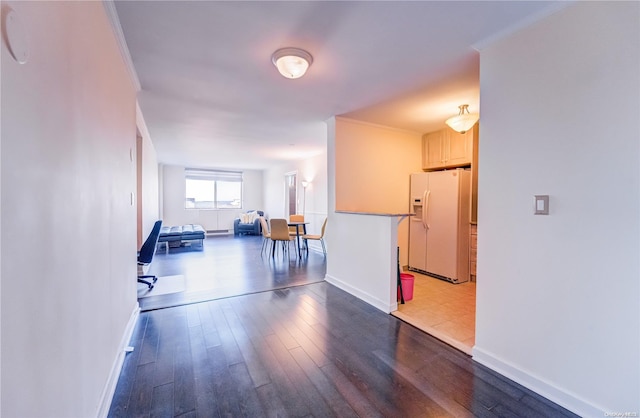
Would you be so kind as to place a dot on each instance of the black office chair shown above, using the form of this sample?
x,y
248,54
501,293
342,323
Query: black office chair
x,y
145,255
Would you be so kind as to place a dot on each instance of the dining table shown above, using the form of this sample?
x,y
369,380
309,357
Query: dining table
x,y
297,225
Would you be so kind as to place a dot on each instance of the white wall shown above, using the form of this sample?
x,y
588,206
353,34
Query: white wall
x,y
372,167
365,263
557,295
312,170
68,225
365,248
173,194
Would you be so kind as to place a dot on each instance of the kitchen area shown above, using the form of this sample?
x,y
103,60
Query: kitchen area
x,y
378,213
442,239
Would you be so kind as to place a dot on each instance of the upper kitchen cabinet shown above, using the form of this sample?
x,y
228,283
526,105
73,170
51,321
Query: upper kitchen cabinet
x,y
446,148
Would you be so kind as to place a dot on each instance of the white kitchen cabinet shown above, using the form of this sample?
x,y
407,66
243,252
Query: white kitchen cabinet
x,y
446,148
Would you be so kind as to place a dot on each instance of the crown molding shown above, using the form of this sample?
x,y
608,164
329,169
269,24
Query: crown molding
x,y
524,23
112,14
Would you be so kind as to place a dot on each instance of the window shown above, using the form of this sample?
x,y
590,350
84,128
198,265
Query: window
x,y
212,189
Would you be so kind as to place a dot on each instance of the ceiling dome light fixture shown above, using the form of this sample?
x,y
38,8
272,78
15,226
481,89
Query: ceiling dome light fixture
x,y
464,121
292,62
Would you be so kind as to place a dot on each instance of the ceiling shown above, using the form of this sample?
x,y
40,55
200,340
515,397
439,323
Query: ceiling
x,y
212,98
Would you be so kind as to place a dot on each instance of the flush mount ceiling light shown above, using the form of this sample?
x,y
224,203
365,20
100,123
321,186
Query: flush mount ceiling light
x,y
292,62
464,121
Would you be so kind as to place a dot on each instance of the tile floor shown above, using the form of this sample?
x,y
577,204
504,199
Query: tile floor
x,y
445,310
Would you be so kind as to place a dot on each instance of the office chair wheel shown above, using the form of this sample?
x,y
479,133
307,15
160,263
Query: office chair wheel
x,y
150,287
155,279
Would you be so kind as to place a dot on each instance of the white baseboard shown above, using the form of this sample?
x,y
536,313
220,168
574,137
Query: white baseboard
x,y
555,394
116,368
315,247
371,300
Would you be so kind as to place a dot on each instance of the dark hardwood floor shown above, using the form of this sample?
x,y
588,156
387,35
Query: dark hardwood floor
x,y
230,266
307,350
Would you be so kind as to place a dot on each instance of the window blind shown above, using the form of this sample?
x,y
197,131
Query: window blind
x,y
217,175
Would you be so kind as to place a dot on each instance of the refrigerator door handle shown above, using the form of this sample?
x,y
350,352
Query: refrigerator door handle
x,y
422,215
425,208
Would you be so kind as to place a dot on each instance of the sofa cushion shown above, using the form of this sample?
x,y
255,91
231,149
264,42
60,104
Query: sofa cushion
x,y
249,217
192,231
169,234
181,232
171,231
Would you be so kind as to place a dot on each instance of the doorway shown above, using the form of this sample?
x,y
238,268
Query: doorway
x,y
291,193
443,309
138,157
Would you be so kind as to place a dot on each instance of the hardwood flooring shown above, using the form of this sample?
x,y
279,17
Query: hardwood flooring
x,y
310,350
228,266
293,346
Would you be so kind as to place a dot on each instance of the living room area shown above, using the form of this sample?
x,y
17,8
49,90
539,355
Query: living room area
x,y
225,266
231,259
262,190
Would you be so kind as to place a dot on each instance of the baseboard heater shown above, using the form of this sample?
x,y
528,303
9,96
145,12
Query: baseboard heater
x,y
217,231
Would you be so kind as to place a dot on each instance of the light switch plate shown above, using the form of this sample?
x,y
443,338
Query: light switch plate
x,y
541,205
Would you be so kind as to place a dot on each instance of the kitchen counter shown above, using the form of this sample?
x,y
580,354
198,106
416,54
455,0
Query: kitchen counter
x,y
367,267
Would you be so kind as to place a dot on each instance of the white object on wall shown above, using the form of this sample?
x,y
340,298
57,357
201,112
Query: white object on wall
x,y
16,37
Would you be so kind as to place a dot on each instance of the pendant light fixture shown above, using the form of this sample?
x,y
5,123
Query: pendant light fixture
x,y
292,62
464,120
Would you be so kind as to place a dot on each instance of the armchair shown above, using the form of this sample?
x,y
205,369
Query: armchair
x,y
252,226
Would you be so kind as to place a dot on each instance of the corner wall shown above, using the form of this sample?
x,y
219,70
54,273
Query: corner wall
x,y
373,164
368,169
68,275
557,295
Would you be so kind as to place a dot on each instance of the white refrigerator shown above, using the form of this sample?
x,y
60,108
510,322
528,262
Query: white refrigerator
x,y
439,231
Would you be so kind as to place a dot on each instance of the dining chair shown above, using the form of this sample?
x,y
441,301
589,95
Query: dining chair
x,y
280,232
293,230
320,237
266,235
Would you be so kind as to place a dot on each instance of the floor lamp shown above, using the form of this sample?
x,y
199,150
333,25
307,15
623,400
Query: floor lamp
x,y
304,195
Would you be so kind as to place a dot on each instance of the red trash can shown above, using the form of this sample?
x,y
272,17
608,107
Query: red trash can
x,y
406,281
